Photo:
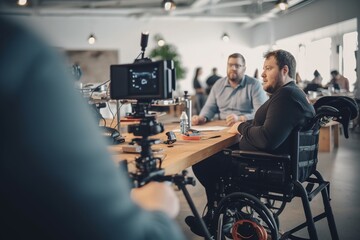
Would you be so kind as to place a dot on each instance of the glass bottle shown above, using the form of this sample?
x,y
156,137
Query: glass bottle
x,y
184,127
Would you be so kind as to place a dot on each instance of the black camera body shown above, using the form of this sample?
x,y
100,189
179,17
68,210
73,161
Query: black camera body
x,y
144,81
148,126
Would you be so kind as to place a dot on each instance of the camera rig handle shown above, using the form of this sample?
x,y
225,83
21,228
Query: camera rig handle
x,y
180,180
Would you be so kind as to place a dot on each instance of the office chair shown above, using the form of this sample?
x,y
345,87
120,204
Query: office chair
x,y
260,184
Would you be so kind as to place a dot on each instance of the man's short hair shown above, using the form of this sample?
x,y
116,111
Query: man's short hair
x,y
237,55
283,58
334,72
316,73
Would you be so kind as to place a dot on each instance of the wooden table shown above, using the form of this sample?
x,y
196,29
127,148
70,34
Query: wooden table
x,y
184,153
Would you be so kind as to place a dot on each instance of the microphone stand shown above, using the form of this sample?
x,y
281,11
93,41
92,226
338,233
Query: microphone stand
x,y
118,116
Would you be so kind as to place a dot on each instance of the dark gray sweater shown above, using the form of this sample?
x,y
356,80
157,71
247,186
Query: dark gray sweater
x,y
286,109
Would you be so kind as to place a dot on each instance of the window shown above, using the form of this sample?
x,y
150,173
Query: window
x,y
349,60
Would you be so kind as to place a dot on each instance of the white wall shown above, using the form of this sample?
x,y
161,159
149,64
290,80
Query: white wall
x,y
318,14
198,43
317,20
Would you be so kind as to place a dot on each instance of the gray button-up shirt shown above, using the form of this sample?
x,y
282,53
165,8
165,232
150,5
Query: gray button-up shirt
x,y
245,99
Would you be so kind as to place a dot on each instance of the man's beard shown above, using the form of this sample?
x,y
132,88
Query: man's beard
x,y
271,89
235,78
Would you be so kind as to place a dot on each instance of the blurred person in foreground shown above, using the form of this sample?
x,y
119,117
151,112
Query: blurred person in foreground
x,y
235,97
57,178
286,109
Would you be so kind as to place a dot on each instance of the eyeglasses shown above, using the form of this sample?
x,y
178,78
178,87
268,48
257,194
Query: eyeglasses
x,y
237,66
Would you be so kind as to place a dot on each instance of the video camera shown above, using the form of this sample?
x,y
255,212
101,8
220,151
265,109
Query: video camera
x,y
143,81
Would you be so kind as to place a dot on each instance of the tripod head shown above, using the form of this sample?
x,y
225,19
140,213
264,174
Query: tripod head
x,y
148,167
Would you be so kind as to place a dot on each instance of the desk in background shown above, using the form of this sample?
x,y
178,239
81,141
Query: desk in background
x,y
329,137
184,153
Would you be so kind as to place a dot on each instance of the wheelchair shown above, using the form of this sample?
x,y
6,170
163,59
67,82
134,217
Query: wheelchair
x,y
260,184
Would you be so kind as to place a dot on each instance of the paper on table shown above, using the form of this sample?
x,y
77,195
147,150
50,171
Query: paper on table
x,y
205,128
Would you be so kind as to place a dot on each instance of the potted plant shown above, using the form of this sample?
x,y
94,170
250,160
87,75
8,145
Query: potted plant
x,y
168,51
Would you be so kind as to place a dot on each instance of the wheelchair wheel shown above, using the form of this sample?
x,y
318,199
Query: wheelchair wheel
x,y
243,216
275,206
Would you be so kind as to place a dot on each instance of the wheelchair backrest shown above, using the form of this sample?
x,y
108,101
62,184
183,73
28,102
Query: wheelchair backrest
x,y
306,138
346,107
304,157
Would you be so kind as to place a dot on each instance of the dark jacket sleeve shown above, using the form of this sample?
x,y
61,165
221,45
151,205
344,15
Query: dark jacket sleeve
x,y
284,111
58,180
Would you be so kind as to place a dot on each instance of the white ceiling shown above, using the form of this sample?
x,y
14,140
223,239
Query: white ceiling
x,y
247,12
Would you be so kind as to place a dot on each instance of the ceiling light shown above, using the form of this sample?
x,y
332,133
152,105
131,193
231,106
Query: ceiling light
x,y
91,39
282,4
225,37
168,5
161,42
22,2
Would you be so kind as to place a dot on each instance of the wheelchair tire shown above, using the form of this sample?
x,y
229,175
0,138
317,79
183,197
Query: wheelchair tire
x,y
243,212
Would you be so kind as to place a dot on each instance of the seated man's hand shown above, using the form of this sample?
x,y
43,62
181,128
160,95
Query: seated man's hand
x,y
233,118
234,128
197,120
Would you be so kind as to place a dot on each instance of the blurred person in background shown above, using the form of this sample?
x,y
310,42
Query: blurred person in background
x,y
200,94
356,122
338,81
235,97
210,81
315,84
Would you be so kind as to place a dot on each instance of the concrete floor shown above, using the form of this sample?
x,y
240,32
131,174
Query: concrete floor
x,y
341,167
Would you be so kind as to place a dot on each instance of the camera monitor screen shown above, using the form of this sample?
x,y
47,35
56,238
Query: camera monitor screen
x,y
144,81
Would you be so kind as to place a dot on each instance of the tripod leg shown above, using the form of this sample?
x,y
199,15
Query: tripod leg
x,y
194,211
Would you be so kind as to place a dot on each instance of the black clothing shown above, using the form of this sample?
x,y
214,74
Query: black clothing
x,y
196,83
200,97
274,121
312,87
210,82
57,178
212,79
286,109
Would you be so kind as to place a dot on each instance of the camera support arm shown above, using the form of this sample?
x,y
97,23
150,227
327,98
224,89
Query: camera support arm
x,y
180,180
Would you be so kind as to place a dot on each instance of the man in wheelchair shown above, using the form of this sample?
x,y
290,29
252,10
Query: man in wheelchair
x,y
271,132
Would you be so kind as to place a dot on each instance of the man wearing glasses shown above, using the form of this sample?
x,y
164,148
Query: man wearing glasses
x,y
235,97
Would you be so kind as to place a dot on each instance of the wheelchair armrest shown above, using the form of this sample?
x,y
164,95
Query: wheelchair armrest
x,y
256,155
